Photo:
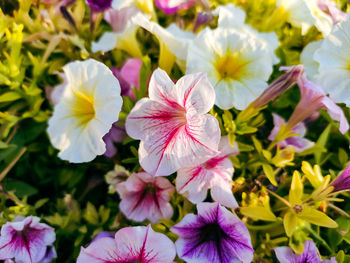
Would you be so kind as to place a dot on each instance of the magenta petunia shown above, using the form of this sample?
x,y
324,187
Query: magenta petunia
x,y
131,244
145,197
312,99
214,235
299,142
309,255
99,5
27,240
215,174
172,123
170,7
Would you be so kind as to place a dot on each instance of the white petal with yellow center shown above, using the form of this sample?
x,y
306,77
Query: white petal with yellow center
x,y
238,65
90,104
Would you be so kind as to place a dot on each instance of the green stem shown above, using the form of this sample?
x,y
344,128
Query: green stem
x,y
264,227
319,238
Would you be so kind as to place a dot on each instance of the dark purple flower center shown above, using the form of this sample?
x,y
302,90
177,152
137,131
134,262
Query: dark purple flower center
x,y
99,5
211,232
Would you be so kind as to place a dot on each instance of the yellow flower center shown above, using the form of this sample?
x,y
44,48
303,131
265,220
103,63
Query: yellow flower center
x,y
83,107
231,66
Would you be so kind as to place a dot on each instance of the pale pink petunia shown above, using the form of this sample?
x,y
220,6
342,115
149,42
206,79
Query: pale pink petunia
x,y
298,141
131,244
119,18
215,174
145,197
131,71
172,123
331,9
27,240
314,98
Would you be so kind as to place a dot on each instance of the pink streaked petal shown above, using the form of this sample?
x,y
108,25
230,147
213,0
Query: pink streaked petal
x,y
150,119
161,88
179,145
103,250
143,244
195,93
193,183
336,113
131,71
157,248
278,121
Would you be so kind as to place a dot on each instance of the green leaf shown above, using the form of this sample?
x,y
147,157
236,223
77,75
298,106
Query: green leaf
x,y
342,156
91,214
290,221
257,144
296,189
20,188
270,174
321,142
316,217
9,96
245,147
258,213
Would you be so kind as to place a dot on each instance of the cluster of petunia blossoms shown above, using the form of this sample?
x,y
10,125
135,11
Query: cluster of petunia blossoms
x,y
180,112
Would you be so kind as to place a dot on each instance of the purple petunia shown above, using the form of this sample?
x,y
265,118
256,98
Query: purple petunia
x,y
99,5
27,240
214,235
342,182
309,255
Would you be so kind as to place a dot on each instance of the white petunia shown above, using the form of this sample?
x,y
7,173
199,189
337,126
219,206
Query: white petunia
x,y
173,41
305,14
231,16
90,103
238,64
334,61
124,40
307,59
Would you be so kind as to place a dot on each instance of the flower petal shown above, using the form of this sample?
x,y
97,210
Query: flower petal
x,y
102,250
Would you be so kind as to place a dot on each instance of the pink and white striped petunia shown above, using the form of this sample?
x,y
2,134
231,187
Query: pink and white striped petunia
x,y
27,240
145,197
172,123
215,174
131,244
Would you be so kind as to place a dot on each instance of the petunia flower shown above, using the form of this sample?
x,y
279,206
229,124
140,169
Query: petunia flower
x,y
231,16
238,64
342,182
309,255
27,240
214,235
131,244
298,141
312,99
145,197
124,40
90,104
215,174
305,14
146,6
172,123
334,67
115,134
171,7
330,8
308,61
128,76
118,19
99,5
173,41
